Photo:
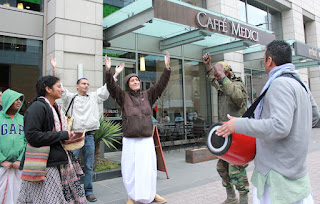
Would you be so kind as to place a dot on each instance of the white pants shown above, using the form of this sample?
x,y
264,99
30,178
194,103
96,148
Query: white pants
x,y
139,168
10,183
266,198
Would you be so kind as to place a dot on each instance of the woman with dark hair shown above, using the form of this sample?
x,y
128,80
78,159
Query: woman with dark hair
x,y
45,126
138,160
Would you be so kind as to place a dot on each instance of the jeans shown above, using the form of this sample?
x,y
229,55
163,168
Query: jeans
x,y
88,159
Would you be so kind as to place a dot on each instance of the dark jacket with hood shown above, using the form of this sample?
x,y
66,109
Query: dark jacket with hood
x,y
12,139
137,105
38,124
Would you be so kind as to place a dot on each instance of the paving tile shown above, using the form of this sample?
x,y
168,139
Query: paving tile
x,y
199,183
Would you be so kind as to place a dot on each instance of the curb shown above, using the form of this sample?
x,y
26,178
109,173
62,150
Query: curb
x,y
104,175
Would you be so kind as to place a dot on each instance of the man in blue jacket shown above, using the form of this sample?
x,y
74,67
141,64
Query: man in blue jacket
x,y
12,145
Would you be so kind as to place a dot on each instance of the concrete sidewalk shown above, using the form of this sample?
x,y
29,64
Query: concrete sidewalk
x,y
197,183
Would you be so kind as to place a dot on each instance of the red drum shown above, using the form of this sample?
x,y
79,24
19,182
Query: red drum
x,y
237,149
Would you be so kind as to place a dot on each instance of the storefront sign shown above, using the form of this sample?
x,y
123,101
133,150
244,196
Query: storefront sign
x,y
181,14
308,51
225,26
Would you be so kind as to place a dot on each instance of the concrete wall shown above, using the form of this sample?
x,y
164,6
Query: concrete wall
x,y
21,23
309,35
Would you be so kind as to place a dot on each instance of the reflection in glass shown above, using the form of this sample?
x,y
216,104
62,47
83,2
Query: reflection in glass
x,y
198,3
20,59
170,103
257,17
197,94
119,53
242,7
33,5
260,15
255,80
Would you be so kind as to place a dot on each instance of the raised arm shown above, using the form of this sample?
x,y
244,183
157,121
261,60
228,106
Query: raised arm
x,y
66,95
206,59
115,91
102,93
53,64
155,91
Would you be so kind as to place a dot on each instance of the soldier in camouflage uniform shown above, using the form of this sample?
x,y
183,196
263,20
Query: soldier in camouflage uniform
x,y
232,100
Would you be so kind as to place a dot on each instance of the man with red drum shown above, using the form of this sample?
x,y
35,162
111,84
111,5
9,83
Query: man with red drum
x,y
282,128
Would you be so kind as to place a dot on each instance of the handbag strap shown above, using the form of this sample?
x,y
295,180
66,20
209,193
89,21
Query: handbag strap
x,y
250,111
71,102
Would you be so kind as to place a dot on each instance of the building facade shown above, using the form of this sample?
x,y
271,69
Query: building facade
x,y
78,33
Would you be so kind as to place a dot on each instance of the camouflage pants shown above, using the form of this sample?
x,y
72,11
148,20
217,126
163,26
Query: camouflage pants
x,y
233,175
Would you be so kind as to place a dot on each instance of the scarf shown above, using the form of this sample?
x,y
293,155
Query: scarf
x,y
273,74
71,172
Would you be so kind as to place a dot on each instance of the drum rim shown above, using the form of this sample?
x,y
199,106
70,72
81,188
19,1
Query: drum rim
x,y
226,145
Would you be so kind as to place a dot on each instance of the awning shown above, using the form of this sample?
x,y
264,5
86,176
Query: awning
x,y
303,56
179,23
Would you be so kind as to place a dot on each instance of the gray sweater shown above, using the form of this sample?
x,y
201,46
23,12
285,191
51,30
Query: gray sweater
x,y
283,131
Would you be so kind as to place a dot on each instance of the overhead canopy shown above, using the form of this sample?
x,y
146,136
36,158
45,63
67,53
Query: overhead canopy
x,y
303,56
179,23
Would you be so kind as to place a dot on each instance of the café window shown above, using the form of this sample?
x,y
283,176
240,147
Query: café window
x,y
255,81
169,106
20,65
198,3
32,5
260,15
197,93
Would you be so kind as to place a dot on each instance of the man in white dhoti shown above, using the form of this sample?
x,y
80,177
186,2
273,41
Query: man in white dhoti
x,y
138,162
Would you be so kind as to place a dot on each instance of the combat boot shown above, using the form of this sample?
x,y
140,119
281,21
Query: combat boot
x,y
231,197
243,198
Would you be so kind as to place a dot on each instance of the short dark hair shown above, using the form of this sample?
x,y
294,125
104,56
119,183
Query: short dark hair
x,y
279,51
43,82
81,79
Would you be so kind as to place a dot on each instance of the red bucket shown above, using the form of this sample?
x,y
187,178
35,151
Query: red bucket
x,y
237,149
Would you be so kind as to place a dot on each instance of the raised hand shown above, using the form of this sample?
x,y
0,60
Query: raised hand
x,y
107,63
118,70
207,60
53,64
167,60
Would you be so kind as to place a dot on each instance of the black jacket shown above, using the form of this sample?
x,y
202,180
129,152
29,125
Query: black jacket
x,y
38,126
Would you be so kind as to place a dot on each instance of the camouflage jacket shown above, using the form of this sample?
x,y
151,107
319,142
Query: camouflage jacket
x,y
232,97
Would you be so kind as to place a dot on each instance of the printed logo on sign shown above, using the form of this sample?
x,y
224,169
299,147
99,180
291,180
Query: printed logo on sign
x,y
215,24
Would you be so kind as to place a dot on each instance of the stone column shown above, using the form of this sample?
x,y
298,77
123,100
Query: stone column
x,y
293,29
74,36
313,39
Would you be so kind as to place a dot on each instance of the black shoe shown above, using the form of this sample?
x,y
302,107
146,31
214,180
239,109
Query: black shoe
x,y
91,198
